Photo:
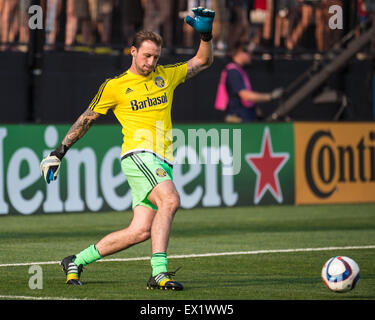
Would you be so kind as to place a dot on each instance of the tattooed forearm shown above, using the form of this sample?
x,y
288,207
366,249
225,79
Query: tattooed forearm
x,y
80,127
201,61
194,69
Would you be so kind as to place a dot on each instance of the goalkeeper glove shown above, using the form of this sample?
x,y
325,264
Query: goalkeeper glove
x,y
50,166
202,22
277,93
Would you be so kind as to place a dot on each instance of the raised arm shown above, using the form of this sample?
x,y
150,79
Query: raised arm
x,y
202,60
204,57
49,167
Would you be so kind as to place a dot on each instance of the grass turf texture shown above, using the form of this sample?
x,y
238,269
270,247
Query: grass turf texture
x,y
292,275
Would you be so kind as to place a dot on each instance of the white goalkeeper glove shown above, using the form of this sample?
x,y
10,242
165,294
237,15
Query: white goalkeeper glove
x,y
277,93
49,168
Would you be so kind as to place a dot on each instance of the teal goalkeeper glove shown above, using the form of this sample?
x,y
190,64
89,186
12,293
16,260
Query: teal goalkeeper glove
x,y
202,22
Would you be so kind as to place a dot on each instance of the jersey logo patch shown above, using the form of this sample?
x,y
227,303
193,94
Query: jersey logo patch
x,y
128,91
160,172
159,82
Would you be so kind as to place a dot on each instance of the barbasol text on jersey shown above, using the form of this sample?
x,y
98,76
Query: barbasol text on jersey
x,y
149,102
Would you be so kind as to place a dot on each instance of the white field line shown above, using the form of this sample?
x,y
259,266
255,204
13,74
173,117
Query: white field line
x,y
204,255
35,298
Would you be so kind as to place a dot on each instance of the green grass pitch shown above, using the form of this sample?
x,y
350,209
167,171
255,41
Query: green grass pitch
x,y
272,274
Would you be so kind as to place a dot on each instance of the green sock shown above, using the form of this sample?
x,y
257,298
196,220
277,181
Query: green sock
x,y
159,263
89,255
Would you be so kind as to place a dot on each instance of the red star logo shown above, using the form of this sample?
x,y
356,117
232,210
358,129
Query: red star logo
x,y
267,164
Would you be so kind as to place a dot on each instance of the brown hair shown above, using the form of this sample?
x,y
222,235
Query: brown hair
x,y
145,35
240,46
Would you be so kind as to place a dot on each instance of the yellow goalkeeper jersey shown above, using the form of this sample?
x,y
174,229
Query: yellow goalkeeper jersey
x,y
142,105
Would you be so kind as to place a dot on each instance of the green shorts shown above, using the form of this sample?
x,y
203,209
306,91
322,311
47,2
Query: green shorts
x,y
144,171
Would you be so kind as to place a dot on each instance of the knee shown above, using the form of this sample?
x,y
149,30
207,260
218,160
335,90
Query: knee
x,y
171,203
142,235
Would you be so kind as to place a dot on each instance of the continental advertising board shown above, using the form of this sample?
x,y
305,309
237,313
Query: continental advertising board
x,y
335,162
215,165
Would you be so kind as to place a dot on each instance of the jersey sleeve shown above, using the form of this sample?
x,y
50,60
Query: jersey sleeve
x,y
104,99
177,72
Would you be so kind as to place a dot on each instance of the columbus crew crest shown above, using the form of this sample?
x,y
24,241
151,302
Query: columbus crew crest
x,y
160,172
159,82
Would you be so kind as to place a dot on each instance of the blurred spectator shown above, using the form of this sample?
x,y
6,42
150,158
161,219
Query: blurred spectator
x,y
105,20
9,23
158,17
236,20
257,18
87,13
94,15
361,11
54,8
24,24
235,94
311,12
219,28
131,19
370,6
366,11
239,24
71,24
52,21
268,5
1,11
286,14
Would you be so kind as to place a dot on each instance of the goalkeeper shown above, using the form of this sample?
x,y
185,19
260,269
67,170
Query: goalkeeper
x,y
141,99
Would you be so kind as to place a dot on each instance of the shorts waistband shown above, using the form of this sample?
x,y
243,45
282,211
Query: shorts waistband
x,y
143,151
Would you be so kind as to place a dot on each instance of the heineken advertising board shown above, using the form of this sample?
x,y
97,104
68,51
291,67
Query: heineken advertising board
x,y
215,165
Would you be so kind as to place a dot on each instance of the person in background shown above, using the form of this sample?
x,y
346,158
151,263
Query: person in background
x,y
239,26
220,27
2,2
157,17
54,8
95,15
9,23
131,13
368,6
311,12
268,22
104,24
235,94
24,24
286,14
71,25
52,22
87,14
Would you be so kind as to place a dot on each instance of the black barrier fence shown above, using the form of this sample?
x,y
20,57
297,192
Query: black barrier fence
x,y
67,82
